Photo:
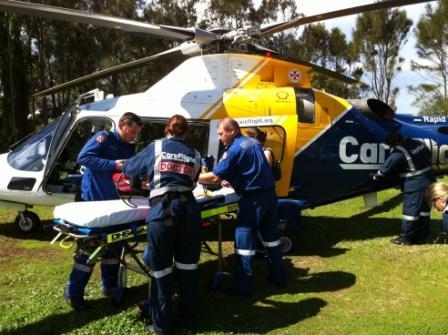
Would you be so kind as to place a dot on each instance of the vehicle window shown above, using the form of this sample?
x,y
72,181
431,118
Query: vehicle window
x,y
305,105
65,175
31,154
154,129
198,137
275,139
443,130
80,134
151,130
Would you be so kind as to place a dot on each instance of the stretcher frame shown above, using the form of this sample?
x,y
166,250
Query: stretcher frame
x,y
211,210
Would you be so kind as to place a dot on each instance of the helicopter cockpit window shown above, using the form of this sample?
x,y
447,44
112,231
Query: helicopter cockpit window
x,y
305,105
275,139
31,154
65,176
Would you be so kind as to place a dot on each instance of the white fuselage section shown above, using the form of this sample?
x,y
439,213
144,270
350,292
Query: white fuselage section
x,y
194,89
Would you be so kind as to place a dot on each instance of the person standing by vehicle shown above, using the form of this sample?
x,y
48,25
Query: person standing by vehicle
x,y
260,136
103,154
174,223
245,167
411,161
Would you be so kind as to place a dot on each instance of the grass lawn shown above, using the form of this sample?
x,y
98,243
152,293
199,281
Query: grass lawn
x,y
345,277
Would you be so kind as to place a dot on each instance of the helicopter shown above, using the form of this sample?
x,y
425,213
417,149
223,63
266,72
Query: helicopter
x,y
328,146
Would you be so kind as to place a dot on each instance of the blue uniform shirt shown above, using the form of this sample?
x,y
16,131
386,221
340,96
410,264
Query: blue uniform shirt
x,y
245,167
411,161
169,163
98,156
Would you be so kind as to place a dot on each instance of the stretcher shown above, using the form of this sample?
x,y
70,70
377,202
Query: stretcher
x,y
95,225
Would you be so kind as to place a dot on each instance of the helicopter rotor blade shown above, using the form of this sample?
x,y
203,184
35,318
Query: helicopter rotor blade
x,y
276,28
184,50
100,20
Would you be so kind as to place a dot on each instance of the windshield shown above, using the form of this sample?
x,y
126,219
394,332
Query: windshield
x,y
31,154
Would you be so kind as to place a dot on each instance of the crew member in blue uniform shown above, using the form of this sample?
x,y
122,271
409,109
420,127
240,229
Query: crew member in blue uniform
x,y
103,154
411,161
245,167
174,223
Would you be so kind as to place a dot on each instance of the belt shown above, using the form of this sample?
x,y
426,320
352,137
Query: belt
x,y
183,195
415,173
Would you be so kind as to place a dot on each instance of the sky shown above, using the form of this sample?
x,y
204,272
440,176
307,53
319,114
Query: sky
x,y
346,24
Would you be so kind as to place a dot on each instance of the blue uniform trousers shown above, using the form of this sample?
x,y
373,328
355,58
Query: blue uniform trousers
x,y
257,220
174,231
416,217
81,272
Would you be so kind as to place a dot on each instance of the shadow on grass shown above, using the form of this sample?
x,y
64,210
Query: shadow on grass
x,y
271,307
45,233
66,322
386,206
319,235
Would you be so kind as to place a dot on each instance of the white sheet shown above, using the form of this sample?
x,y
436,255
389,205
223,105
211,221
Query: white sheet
x,y
100,214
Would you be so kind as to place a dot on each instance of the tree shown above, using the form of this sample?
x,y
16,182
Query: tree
x,y
331,50
14,79
432,48
239,13
378,38
328,49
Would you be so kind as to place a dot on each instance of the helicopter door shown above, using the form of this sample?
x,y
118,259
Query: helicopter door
x,y
281,131
58,140
65,176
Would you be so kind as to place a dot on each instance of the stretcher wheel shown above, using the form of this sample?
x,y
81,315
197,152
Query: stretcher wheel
x,y
27,222
286,243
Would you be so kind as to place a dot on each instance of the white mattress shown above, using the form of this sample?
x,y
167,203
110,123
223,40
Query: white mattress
x,y
100,214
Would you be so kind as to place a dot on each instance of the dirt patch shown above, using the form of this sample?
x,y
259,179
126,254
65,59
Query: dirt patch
x,y
11,248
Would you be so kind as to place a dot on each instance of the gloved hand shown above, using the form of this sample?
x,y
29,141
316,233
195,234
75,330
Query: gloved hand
x,y
119,164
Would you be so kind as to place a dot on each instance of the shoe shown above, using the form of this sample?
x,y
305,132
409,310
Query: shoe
x,y
78,304
401,241
144,312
